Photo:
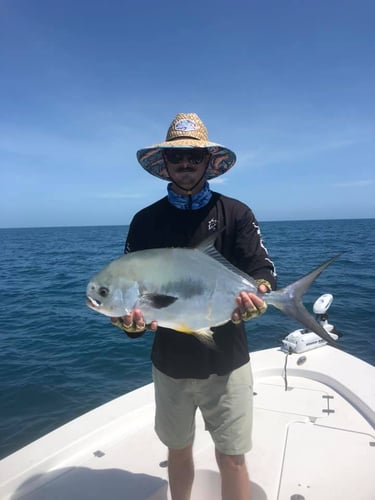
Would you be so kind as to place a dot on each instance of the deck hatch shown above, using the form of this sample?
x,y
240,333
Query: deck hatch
x,y
311,449
296,400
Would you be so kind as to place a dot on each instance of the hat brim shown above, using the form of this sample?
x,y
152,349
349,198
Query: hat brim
x,y
152,158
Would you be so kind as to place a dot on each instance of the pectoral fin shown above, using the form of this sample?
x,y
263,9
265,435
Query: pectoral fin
x,y
157,301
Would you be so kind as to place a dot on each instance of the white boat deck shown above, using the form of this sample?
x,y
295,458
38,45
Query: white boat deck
x,y
313,441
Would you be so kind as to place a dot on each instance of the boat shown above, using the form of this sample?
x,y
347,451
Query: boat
x,y
313,436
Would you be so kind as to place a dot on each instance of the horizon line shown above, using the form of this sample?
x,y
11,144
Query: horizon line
x,y
124,225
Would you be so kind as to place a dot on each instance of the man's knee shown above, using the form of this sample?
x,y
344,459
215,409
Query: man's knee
x,y
229,461
181,454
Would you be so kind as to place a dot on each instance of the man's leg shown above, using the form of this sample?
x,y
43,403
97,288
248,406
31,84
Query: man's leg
x,y
181,473
235,481
175,427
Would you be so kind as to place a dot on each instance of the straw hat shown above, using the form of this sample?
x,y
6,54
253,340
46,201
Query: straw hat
x,y
186,131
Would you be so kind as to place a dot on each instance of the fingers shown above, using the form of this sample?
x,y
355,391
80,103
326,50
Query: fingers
x,y
263,285
134,323
153,326
249,306
236,317
263,288
135,320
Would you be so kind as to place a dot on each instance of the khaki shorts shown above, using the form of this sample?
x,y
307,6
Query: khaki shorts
x,y
226,404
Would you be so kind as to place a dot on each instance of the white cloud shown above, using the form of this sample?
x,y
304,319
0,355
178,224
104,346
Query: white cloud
x,y
218,180
354,184
117,196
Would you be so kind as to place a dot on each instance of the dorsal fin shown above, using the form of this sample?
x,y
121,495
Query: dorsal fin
x,y
207,247
208,243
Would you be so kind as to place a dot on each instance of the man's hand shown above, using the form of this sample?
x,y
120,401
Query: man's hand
x,y
249,305
134,324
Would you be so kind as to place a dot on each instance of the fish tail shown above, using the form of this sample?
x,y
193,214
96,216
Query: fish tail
x,y
289,301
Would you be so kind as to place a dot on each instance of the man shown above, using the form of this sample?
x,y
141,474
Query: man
x,y
186,373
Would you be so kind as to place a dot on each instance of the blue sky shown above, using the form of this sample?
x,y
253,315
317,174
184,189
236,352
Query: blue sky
x,y
288,85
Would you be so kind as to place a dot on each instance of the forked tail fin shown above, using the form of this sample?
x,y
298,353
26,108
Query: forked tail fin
x,y
289,301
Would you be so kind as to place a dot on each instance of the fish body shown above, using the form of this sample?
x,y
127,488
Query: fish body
x,y
188,289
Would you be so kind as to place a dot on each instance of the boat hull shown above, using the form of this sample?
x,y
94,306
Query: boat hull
x,y
313,436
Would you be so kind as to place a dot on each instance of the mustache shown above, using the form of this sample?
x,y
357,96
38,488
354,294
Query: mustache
x,y
181,170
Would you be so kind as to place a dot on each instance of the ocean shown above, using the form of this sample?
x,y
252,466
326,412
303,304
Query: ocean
x,y
59,359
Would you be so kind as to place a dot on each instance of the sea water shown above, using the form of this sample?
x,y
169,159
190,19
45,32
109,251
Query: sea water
x,y
59,359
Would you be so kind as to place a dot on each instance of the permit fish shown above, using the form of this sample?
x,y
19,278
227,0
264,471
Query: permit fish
x,y
190,290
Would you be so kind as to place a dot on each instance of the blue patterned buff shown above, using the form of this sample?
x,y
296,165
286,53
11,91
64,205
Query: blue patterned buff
x,y
192,201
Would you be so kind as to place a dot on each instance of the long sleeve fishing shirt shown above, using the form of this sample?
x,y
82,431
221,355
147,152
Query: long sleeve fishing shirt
x,y
162,225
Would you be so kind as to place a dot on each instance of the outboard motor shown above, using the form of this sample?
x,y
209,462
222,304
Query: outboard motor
x,y
304,340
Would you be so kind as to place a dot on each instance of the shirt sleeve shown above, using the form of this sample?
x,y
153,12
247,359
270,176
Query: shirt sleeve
x,y
129,239
134,237
250,251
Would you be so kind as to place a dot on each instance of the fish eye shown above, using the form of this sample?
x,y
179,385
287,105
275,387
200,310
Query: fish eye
x,y
103,291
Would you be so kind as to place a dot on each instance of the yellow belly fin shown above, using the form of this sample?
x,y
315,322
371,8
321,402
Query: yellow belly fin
x,y
204,335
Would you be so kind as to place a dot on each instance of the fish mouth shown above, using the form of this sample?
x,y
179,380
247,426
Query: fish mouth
x,y
92,303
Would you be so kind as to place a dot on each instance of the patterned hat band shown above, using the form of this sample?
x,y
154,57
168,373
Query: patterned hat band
x,y
186,131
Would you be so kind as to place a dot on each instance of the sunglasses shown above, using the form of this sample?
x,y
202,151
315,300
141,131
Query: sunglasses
x,y
193,155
